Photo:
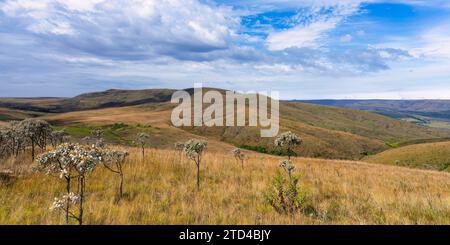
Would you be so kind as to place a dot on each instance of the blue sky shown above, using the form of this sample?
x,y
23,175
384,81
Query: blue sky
x,y
305,49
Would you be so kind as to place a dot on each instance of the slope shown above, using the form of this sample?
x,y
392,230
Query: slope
x,y
435,156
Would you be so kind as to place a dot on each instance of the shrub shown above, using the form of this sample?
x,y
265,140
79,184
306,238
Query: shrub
x,y
284,193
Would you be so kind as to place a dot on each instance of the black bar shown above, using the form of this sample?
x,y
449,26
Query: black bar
x,y
146,234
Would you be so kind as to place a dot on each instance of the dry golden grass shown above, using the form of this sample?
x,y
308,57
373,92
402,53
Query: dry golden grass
x,y
160,189
434,156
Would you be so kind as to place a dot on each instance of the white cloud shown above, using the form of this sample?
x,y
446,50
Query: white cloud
x,y
80,5
436,42
135,29
323,17
299,36
346,38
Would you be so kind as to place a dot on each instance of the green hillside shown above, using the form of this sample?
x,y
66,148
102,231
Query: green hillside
x,y
435,156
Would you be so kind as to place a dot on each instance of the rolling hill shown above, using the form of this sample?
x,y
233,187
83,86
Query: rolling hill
x,y
328,132
96,100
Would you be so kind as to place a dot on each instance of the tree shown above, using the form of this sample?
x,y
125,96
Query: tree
x,y
71,162
12,140
37,131
239,156
194,151
113,161
288,140
142,139
5,142
58,137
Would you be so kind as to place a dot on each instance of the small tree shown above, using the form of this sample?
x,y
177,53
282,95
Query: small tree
x,y
114,161
194,151
288,141
142,139
37,131
239,156
71,162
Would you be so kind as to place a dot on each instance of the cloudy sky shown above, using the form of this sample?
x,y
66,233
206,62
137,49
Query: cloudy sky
x,y
306,49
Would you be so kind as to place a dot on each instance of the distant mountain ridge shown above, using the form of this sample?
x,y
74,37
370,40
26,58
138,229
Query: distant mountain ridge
x,y
434,113
407,106
87,101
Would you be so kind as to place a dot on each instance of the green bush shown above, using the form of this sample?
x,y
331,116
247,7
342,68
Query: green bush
x,y
285,195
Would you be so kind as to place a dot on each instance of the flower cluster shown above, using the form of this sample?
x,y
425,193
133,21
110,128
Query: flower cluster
x,y
287,165
118,156
60,203
69,157
194,148
287,139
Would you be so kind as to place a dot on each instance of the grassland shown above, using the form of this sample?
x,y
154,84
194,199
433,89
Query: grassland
x,y
435,156
327,132
160,189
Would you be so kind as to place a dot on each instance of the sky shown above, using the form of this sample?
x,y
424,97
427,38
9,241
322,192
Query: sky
x,y
305,49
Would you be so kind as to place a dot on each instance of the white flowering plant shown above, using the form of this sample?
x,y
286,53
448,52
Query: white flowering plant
x,y
288,141
141,139
113,161
71,162
194,151
239,156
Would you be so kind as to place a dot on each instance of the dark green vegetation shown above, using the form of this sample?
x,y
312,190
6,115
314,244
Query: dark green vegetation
x,y
327,132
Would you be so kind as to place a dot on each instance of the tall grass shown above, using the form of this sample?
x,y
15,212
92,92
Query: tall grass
x,y
160,189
